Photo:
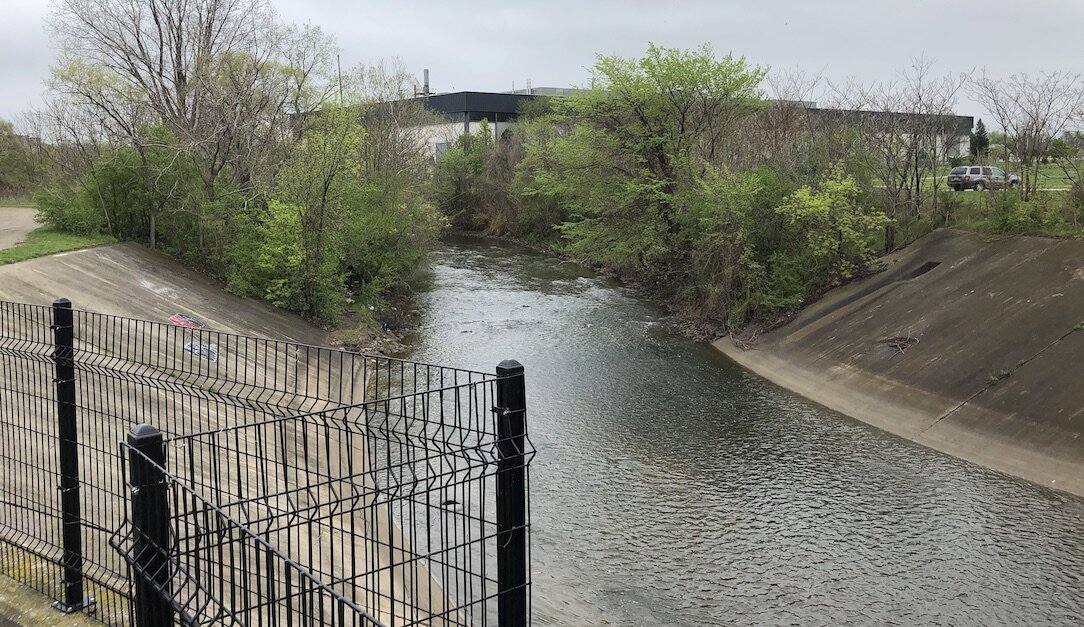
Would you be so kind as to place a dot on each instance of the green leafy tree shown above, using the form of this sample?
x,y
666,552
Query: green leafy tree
x,y
20,170
213,139
537,199
837,229
457,187
319,180
332,227
980,140
726,227
291,254
638,141
389,232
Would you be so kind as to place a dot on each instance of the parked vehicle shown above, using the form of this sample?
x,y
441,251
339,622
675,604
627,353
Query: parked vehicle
x,y
980,177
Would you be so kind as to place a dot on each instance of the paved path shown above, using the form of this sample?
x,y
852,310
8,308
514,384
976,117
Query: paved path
x,y
21,606
15,223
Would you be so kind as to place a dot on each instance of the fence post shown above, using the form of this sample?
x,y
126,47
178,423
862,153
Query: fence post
x,y
68,452
511,496
150,526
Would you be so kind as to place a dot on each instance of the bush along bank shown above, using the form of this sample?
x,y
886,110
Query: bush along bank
x,y
328,219
633,176
327,236
251,156
675,172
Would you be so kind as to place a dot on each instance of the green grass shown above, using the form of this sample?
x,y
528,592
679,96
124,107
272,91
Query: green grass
x,y
17,201
1052,215
44,241
1051,176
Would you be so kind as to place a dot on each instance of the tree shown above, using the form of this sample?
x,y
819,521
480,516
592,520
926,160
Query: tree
x,y
457,184
208,128
393,220
640,138
223,79
20,166
319,182
907,127
836,227
1032,110
1067,152
783,134
980,140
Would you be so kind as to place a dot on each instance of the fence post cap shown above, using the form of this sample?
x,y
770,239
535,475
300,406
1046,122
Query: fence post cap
x,y
143,431
509,367
62,302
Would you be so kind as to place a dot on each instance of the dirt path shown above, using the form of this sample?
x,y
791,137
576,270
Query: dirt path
x,y
15,224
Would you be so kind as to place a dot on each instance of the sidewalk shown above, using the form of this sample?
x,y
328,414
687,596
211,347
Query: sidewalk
x,y
21,606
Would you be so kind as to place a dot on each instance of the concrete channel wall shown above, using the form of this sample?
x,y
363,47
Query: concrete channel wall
x,y
970,345
129,280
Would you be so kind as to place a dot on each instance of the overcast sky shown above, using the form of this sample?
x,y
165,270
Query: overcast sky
x,y
472,46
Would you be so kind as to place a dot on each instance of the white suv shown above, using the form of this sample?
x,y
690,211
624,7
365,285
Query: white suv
x,y
980,177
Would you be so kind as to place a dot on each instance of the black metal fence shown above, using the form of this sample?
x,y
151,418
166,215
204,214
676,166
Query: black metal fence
x,y
273,482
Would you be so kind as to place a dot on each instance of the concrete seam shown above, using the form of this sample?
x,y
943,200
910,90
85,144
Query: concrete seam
x,y
1019,365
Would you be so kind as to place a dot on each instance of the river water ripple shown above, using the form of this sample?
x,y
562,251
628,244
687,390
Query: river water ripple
x,y
672,487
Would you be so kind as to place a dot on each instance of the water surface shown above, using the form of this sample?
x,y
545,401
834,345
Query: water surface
x,y
671,487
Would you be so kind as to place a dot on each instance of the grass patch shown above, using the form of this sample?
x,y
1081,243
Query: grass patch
x,y
44,241
999,377
1051,176
17,201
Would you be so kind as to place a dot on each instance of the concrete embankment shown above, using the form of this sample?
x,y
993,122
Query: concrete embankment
x,y
970,345
129,280
21,606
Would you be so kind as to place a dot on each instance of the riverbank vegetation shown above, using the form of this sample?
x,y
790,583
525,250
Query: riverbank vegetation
x,y
233,142
678,170
48,241
21,168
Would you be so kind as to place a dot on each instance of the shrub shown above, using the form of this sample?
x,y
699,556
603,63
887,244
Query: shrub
x,y
833,228
949,204
66,209
269,262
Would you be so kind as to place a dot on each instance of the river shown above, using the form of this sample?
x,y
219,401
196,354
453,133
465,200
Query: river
x,y
671,487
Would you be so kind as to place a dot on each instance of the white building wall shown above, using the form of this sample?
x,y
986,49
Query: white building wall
x,y
439,136
958,146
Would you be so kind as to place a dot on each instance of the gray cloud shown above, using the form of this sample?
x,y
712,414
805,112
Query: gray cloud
x,y
25,56
472,46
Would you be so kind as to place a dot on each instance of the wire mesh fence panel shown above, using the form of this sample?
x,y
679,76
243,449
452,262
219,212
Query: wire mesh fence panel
x,y
182,380
206,568
30,519
374,473
390,503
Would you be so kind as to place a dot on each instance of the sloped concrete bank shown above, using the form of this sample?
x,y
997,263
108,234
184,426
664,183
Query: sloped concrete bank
x,y
969,345
132,281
